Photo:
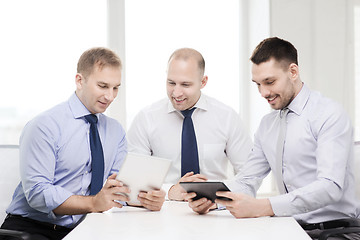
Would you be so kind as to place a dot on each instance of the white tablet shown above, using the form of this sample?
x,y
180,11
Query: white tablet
x,y
142,173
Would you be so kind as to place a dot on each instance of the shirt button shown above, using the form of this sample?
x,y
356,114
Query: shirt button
x,y
83,192
86,172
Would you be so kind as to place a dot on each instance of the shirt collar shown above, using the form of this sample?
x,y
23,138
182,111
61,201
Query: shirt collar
x,y
297,105
77,107
201,104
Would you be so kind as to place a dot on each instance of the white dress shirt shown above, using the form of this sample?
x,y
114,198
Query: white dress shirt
x,y
220,135
317,160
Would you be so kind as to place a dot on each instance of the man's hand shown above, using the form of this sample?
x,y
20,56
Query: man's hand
x,y
111,191
152,200
103,201
244,206
201,205
176,192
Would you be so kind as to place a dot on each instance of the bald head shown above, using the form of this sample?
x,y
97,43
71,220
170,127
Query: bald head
x,y
189,53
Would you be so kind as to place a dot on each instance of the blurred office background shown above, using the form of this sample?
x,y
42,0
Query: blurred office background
x,y
41,41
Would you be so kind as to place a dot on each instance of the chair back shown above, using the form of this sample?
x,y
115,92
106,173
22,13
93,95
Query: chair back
x,y
9,176
357,168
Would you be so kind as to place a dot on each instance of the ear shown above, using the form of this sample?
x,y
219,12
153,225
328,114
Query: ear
x,y
293,71
204,81
79,79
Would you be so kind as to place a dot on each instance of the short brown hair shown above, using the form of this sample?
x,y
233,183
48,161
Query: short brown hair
x,y
186,53
97,57
282,51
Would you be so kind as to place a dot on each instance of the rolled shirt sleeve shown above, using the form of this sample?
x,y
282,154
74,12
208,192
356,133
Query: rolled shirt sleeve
x,y
37,166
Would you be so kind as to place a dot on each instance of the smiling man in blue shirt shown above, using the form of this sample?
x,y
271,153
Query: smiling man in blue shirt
x,y
55,156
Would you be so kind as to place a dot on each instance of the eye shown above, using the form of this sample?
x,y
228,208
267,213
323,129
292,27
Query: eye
x,y
171,83
102,85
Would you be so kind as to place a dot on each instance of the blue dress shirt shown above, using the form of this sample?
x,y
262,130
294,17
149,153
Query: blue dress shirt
x,y
317,160
55,160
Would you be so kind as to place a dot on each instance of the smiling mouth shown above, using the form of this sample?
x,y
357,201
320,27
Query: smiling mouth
x,y
270,100
179,100
102,103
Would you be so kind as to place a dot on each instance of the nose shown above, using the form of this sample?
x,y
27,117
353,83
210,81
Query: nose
x,y
110,95
177,91
264,91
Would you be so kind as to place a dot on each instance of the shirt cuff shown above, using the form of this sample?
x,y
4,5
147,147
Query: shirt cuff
x,y
281,205
220,207
166,187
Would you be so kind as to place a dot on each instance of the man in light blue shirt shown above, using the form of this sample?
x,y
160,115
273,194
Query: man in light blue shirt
x,y
55,156
314,171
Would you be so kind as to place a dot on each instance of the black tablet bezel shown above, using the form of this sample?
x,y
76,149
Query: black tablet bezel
x,y
205,189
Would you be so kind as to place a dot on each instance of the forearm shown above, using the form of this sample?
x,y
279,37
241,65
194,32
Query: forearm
x,y
250,176
308,198
75,205
263,208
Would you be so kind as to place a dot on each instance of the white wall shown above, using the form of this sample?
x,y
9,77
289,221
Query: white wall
x,y
255,26
322,32
116,41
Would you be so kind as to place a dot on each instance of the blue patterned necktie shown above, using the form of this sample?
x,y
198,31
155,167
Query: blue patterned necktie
x,y
189,150
97,156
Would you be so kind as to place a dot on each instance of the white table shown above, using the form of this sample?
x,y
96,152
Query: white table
x,y
177,221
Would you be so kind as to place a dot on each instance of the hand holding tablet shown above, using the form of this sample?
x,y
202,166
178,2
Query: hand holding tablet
x,y
142,173
205,189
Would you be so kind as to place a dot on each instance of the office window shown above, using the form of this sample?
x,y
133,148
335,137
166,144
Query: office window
x,y
40,44
154,29
357,69
210,26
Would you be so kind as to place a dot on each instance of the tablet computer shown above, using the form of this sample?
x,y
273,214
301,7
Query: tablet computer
x,y
142,173
205,189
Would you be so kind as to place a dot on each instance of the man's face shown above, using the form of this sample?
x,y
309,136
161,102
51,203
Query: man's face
x,y
275,84
99,89
184,83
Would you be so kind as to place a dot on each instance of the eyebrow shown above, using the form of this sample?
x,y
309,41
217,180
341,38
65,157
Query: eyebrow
x,y
185,82
106,84
264,80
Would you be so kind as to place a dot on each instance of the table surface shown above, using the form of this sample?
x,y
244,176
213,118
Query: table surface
x,y
177,221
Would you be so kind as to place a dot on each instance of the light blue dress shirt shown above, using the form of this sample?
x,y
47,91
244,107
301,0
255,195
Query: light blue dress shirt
x,y
317,161
55,160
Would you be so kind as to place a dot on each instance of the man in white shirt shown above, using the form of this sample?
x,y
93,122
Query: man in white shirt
x,y
314,170
220,134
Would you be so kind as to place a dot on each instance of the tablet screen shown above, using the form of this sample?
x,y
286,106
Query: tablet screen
x,y
142,173
205,189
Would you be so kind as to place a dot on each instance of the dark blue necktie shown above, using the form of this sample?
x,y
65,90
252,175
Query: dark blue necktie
x,y
97,156
189,151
